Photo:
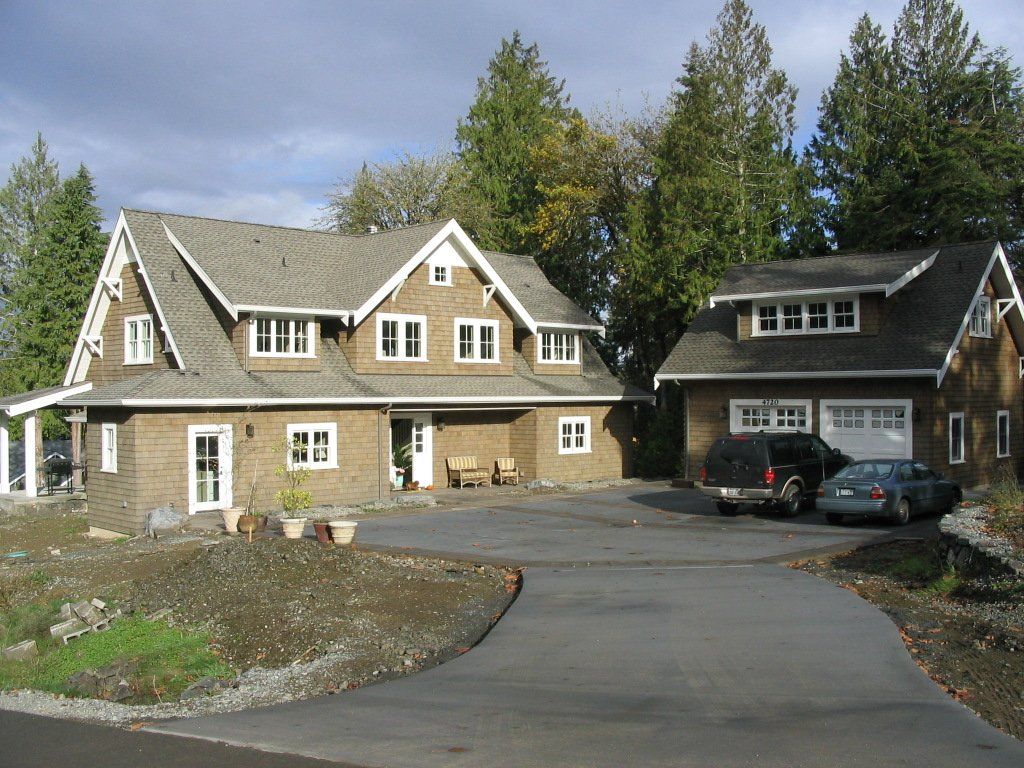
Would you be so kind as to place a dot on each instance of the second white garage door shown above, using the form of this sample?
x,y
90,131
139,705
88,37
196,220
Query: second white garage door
x,y
869,429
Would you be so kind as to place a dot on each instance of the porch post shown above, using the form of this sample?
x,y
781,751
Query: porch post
x,y
5,454
76,452
30,454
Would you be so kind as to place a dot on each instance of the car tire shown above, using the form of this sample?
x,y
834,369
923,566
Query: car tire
x,y
954,502
902,514
834,518
791,501
728,508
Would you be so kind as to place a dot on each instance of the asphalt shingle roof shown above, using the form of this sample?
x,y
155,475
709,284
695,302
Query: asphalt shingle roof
x,y
542,300
920,324
821,272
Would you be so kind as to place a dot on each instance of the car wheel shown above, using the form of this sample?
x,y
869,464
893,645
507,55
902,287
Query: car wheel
x,y
954,501
834,518
728,508
791,502
902,514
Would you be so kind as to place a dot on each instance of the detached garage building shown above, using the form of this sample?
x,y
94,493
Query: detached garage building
x,y
914,354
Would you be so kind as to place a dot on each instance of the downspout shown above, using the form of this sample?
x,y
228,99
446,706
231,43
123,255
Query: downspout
x,y
383,412
686,431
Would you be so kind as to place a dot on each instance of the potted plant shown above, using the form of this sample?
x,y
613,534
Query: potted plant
x,y
343,531
293,497
250,520
401,459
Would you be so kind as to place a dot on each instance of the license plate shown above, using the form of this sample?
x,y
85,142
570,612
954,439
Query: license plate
x,y
845,492
733,491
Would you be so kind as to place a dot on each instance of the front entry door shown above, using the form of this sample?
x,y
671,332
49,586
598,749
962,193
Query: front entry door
x,y
423,449
209,467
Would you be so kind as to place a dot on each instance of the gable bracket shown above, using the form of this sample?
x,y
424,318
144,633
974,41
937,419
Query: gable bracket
x,y
489,292
398,289
1004,306
114,286
94,344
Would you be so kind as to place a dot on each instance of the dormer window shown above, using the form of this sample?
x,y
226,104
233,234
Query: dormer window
x,y
558,348
138,340
981,318
282,337
440,274
817,315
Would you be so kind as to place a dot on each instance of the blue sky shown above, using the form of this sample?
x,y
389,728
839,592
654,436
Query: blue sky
x,y
254,110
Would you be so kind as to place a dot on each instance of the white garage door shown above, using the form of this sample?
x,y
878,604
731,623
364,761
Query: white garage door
x,y
868,429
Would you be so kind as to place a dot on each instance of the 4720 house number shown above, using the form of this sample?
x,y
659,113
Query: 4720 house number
x,y
770,401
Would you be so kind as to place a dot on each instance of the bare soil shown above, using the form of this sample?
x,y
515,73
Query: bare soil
x,y
967,634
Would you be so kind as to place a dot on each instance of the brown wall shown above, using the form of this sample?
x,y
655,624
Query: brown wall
x,y
611,443
981,380
441,304
135,301
153,461
484,434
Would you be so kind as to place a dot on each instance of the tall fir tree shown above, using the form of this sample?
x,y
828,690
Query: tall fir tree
x,y
518,103
920,139
52,287
727,188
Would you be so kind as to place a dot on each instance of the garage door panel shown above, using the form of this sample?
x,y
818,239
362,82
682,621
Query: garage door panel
x,y
868,429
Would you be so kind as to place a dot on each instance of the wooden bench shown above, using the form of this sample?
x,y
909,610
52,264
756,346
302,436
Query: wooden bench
x,y
506,471
465,470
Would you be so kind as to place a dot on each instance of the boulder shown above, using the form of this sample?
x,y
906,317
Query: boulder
x,y
541,482
162,519
21,651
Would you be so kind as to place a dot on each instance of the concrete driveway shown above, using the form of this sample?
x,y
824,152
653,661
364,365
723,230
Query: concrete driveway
x,y
673,642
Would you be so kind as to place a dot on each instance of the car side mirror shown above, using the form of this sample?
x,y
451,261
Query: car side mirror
x,y
836,452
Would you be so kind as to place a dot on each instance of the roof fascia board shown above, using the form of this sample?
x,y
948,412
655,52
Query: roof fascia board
x,y
896,373
451,229
910,274
262,309
572,326
997,255
46,400
801,292
375,401
76,370
164,325
207,280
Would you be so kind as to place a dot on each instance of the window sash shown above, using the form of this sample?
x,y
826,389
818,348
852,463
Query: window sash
x,y
1002,434
956,438
108,449
574,434
440,274
401,337
313,446
138,339
476,340
558,348
981,317
813,316
282,337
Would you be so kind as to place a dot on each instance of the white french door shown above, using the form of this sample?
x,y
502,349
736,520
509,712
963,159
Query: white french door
x,y
423,448
209,467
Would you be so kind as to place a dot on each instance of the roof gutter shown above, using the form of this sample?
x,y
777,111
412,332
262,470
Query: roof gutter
x,y
907,373
367,401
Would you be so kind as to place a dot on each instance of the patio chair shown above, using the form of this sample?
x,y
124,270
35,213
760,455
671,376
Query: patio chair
x,y
506,471
463,470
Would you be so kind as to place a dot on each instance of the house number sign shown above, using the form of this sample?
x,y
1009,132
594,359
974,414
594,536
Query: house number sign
x,y
770,401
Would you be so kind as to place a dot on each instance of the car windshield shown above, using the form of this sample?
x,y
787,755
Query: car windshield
x,y
866,470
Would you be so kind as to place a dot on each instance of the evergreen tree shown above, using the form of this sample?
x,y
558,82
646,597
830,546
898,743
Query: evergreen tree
x,y
921,139
52,288
517,104
23,200
726,190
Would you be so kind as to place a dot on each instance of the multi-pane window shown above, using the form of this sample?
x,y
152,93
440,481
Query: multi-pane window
x,y
981,318
558,348
814,316
108,448
138,339
574,434
888,418
401,337
440,274
848,418
1002,434
282,337
768,318
476,340
783,417
956,438
755,418
313,446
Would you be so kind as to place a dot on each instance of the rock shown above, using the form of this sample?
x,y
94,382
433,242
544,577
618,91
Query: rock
x,y
122,692
58,631
541,482
104,682
203,687
162,519
65,611
87,612
99,604
21,651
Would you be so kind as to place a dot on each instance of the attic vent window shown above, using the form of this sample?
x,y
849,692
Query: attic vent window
x,y
440,274
981,318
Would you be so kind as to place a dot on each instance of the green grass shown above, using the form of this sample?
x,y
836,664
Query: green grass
x,y
174,657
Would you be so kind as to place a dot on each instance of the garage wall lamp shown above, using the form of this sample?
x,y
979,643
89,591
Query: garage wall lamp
x,y
250,430
440,424
724,413
917,414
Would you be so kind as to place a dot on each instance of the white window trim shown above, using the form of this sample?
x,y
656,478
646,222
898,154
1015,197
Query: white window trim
x,y
402,320
311,335
773,403
1000,415
983,300
963,437
830,301
129,321
105,466
432,280
574,420
540,347
477,324
331,428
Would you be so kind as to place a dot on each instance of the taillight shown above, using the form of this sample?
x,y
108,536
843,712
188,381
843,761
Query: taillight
x,y
769,476
821,491
876,493
703,474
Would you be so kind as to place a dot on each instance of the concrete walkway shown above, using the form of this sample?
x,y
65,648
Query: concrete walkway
x,y
671,642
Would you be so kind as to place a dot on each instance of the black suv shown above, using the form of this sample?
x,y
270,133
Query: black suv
x,y
779,468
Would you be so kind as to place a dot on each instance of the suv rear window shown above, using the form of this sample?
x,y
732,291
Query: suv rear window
x,y
738,451
782,452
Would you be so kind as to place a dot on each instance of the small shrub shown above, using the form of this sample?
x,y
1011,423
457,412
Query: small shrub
x,y
293,497
659,445
1006,499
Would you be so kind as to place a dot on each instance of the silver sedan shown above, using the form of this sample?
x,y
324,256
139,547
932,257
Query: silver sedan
x,y
893,489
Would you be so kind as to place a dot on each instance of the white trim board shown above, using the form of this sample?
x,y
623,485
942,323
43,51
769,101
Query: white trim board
x,y
375,401
903,374
766,402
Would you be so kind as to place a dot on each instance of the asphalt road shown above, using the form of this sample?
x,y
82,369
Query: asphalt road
x,y
674,641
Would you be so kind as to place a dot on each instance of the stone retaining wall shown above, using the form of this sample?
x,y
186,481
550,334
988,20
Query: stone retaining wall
x,y
966,546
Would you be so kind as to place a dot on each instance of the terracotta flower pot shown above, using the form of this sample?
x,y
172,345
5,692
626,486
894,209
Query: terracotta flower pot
x,y
248,524
230,517
323,534
261,523
343,531
293,527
